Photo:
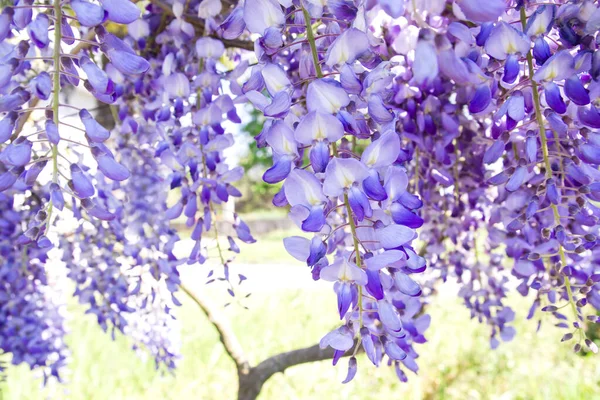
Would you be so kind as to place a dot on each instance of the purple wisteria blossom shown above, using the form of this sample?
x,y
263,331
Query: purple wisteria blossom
x,y
415,142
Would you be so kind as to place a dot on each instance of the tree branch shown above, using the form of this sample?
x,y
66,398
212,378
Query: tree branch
x,y
252,379
199,23
251,384
227,336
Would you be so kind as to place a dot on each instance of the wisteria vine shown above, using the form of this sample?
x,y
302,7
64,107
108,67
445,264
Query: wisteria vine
x,y
416,141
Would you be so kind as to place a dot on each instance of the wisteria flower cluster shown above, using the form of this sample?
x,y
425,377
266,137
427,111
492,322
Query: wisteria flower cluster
x,y
415,142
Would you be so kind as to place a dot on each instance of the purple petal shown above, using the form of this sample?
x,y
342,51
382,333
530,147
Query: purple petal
x,y
511,69
279,171
338,339
18,153
319,156
127,63
209,48
33,172
234,24
279,107
95,210
342,173
56,196
42,86
121,11
553,98
403,216
589,116
262,14
88,14
556,68
177,85
14,100
384,259
531,148
345,271
575,91
552,192
517,179
350,81
373,188
494,152
7,125
318,126
22,16
96,77
303,188
352,369
505,40
393,236
281,139
94,131
541,51
317,251
8,178
478,11
389,316
425,66
347,47
275,78
394,351
395,183
481,99
315,220
344,298
52,132
38,30
112,169
298,247
378,111
590,153
368,345
326,96
406,284
174,211
82,186
359,204
373,285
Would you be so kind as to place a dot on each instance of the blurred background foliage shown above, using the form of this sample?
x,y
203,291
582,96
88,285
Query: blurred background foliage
x,y
257,194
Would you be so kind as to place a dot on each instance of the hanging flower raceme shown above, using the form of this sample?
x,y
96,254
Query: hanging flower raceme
x,y
542,156
58,162
133,290
336,112
31,315
184,109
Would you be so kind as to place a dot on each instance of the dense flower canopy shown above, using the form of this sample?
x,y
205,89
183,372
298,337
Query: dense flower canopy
x,y
414,141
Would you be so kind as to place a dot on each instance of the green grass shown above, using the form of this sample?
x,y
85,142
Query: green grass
x,y
268,249
456,363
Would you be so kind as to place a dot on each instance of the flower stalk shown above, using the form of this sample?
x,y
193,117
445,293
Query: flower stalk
x,y
313,47
544,144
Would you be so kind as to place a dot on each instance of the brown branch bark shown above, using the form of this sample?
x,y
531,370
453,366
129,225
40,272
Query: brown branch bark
x,y
251,379
227,336
251,384
199,23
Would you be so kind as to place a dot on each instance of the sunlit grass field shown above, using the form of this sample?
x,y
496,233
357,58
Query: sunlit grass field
x,y
456,363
